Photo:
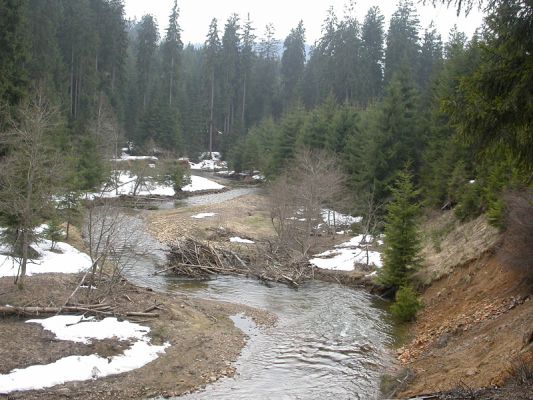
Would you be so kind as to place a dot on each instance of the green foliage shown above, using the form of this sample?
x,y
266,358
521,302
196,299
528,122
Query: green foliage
x,y
401,234
181,177
493,110
470,202
54,232
406,304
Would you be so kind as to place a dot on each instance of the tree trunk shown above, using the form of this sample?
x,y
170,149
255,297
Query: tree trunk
x,y
211,110
171,81
243,102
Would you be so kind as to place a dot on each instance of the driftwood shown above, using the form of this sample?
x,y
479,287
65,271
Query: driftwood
x,y
100,310
192,258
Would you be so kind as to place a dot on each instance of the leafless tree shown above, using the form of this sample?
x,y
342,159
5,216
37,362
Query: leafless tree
x,y
30,174
113,244
299,195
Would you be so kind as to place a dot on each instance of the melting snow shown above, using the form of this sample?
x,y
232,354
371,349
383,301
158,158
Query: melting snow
x,y
81,368
199,183
237,239
64,259
346,255
126,186
331,216
80,329
204,215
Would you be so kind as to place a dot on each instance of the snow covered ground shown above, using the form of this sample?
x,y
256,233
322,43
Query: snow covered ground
x,y
332,217
199,183
64,259
346,255
206,163
204,215
81,368
237,239
126,186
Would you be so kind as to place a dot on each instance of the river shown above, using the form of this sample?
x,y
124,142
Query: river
x,y
330,341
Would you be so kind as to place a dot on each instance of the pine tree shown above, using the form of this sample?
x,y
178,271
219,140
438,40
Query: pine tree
x,y
13,51
372,58
402,243
293,64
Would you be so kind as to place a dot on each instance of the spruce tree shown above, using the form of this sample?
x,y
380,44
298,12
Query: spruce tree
x,y
402,244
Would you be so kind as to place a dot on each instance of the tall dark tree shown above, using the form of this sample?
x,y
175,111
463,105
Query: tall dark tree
x,y
230,57
212,60
293,63
495,110
148,37
247,60
13,51
171,49
373,37
402,40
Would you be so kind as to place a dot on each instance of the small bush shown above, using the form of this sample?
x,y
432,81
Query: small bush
x,y
406,305
180,178
496,213
54,233
470,204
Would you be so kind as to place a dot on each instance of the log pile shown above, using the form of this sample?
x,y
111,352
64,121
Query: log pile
x,y
191,258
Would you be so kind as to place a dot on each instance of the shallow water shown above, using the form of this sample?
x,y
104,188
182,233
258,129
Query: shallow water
x,y
330,341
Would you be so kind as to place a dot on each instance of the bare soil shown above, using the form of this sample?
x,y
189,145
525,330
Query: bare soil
x,y
476,326
204,341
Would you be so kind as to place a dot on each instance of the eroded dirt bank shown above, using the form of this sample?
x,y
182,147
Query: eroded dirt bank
x,y
476,329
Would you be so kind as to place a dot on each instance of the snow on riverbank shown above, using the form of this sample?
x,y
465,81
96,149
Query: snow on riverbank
x,y
199,183
347,255
81,368
127,181
63,259
203,215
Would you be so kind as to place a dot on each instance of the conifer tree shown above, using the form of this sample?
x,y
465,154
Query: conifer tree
x,y
402,244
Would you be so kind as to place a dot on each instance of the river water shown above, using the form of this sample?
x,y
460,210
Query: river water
x,y
330,341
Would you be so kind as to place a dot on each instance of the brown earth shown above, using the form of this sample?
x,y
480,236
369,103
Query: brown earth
x,y
477,323
204,341
245,216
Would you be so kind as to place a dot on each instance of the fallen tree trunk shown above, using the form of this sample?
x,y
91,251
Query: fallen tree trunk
x,y
10,310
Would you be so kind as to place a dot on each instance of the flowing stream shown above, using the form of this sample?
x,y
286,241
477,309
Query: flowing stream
x,y
330,341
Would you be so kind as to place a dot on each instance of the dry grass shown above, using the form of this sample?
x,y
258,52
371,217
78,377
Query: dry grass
x,y
448,244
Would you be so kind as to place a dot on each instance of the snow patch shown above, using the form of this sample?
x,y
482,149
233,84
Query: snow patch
x,y
81,368
200,183
237,239
80,329
331,216
64,259
204,215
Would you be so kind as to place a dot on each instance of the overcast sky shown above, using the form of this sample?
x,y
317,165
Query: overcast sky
x,y
195,15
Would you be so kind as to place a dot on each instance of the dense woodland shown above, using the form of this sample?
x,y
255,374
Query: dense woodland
x,y
457,112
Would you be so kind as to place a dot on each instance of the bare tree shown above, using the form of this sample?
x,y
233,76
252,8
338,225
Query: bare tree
x,y
30,173
299,195
114,243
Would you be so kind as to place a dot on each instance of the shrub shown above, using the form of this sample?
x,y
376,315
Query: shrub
x,y
406,305
470,204
180,178
53,232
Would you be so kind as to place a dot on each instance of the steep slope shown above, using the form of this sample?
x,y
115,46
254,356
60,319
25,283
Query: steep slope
x,y
477,324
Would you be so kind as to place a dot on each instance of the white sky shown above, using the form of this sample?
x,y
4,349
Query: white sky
x,y
195,15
